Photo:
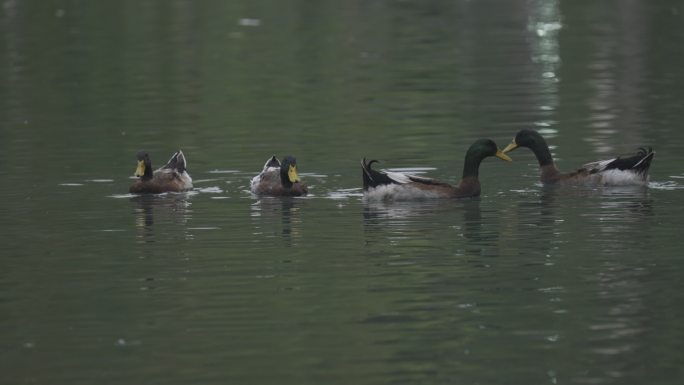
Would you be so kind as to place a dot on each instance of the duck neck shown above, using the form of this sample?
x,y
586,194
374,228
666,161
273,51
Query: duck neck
x,y
148,174
542,152
284,178
468,187
471,167
549,174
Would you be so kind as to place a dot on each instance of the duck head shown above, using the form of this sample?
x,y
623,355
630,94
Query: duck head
x,y
478,151
288,171
535,142
144,169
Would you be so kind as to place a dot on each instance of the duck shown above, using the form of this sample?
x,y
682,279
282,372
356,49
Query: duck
x,y
618,171
387,185
279,179
172,177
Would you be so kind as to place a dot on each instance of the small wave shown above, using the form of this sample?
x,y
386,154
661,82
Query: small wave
x,y
345,193
195,181
667,185
223,171
121,196
210,190
313,175
71,184
100,180
525,191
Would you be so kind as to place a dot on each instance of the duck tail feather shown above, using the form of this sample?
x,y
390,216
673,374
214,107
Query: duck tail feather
x,y
181,164
272,162
373,178
639,162
176,162
367,173
645,162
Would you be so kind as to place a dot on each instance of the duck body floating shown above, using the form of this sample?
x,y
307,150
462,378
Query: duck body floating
x,y
279,179
389,185
620,171
172,177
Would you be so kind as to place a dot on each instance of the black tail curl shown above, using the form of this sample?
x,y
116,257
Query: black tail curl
x,y
372,178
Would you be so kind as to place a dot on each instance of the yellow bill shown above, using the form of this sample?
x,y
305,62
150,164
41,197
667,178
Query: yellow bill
x,y
500,154
140,171
292,174
512,146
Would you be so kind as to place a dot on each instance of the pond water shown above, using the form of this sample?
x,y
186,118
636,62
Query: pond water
x,y
524,285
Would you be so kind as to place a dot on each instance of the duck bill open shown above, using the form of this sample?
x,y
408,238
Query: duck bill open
x,y
512,146
140,170
292,174
500,154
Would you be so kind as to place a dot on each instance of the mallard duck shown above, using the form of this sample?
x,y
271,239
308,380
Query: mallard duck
x,y
628,170
279,179
173,176
396,185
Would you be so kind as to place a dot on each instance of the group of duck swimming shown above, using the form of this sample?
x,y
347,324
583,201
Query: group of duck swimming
x,y
281,178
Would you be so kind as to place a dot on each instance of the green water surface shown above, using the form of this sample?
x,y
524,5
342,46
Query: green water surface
x,y
524,285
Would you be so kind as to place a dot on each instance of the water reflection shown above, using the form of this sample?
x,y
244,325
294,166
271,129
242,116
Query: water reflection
x,y
449,291
621,220
174,208
609,223
621,318
609,210
278,216
375,212
405,213
615,102
462,218
545,24
472,221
